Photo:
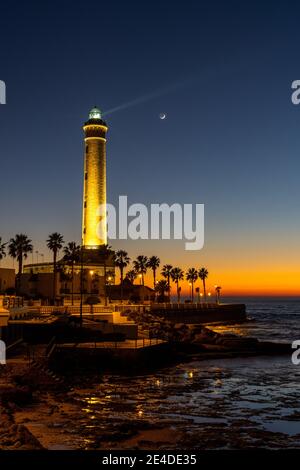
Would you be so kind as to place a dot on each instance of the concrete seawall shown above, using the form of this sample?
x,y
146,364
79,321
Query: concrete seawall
x,y
197,313
109,355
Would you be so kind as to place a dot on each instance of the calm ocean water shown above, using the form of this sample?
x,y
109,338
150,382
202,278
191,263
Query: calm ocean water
x,y
273,319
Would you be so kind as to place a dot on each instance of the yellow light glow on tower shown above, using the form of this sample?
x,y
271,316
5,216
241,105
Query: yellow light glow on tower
x,y
94,230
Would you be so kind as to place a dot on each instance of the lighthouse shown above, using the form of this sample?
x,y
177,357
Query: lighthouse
x,y
94,230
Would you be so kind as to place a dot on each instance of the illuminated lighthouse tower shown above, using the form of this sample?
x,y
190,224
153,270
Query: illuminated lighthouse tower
x,y
94,232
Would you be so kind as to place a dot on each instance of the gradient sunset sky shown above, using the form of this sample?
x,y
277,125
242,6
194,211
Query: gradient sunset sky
x,y
222,71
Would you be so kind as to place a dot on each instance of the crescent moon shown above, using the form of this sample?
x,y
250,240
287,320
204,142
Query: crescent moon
x,y
162,116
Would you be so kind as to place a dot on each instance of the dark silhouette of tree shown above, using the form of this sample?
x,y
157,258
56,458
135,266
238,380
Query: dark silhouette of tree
x,y
153,263
166,273
122,260
18,248
55,243
192,276
140,266
131,275
177,275
203,274
72,254
162,287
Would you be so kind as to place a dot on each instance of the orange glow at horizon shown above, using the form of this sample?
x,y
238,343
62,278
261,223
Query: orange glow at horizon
x,y
248,268
239,283
245,266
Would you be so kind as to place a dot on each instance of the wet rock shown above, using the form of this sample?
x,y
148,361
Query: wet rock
x,y
17,395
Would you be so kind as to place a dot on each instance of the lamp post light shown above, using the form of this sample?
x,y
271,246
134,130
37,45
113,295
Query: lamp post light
x,y
209,294
109,283
190,284
140,276
90,283
155,291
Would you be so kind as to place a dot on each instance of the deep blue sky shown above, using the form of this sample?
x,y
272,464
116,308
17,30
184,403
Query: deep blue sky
x,y
231,138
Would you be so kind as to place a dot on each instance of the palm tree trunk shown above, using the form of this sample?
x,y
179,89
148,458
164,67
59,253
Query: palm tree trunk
x,y
20,269
72,285
192,291
154,277
204,289
54,277
121,272
143,295
178,292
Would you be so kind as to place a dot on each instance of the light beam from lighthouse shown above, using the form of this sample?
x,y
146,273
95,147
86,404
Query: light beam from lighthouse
x,y
94,230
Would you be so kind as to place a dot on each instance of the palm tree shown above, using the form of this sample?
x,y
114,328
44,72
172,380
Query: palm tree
x,y
162,287
140,266
106,252
192,276
131,275
54,243
203,274
18,248
121,261
177,275
72,256
166,273
218,293
2,249
153,263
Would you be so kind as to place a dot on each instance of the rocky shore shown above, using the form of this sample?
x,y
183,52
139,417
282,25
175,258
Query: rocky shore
x,y
12,397
199,339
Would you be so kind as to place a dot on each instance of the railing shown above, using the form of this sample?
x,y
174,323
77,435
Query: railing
x,y
127,344
12,302
187,306
131,308
72,309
